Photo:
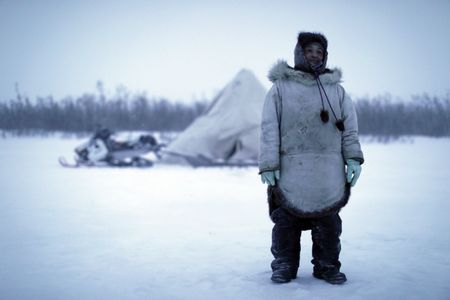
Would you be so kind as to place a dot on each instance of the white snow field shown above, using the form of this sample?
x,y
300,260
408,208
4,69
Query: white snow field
x,y
173,232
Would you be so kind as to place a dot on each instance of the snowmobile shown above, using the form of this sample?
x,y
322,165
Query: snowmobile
x,y
103,150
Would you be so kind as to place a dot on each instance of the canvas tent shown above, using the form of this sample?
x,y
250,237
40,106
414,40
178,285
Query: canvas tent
x,y
228,132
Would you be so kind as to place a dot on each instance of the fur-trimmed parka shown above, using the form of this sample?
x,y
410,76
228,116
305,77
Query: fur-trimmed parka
x,y
309,153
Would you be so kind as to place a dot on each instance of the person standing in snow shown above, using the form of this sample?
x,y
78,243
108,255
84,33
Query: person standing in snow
x,y
310,156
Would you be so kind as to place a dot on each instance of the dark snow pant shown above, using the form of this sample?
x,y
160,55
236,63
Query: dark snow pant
x,y
325,232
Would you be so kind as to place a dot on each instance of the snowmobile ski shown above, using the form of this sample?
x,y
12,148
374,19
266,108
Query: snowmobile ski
x,y
63,162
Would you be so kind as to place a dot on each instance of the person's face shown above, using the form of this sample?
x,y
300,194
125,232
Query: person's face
x,y
314,53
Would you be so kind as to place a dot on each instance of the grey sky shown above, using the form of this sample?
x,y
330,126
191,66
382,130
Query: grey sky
x,y
185,49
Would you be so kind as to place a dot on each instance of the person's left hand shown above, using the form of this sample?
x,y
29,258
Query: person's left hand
x,y
353,171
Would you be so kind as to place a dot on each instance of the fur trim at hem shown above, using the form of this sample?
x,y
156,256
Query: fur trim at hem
x,y
277,199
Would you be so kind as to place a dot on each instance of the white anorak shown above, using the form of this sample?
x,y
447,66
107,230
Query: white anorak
x,y
309,153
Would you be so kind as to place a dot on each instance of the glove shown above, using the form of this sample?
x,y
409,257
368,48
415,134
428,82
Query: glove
x,y
270,176
353,171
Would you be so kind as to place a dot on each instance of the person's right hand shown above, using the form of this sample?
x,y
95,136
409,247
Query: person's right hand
x,y
269,177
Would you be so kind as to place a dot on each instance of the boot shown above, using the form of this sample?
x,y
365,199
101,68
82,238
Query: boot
x,y
333,276
283,275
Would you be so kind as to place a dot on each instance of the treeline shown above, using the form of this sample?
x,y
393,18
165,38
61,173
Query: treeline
x,y
84,114
423,115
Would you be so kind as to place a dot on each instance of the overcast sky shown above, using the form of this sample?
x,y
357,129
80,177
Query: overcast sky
x,y
184,50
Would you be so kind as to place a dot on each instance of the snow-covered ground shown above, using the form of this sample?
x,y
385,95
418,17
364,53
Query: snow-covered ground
x,y
173,232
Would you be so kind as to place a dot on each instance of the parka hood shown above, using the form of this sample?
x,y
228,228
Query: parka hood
x,y
281,70
303,39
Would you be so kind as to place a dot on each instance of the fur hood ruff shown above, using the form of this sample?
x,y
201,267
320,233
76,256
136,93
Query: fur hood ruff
x,y
281,70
